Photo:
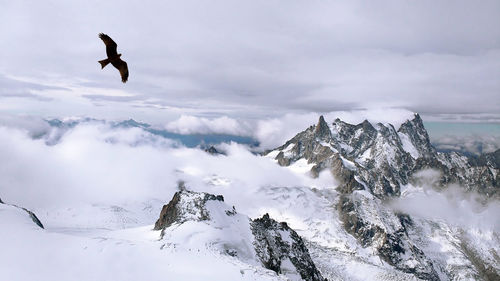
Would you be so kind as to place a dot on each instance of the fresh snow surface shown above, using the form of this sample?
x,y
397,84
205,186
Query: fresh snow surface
x,y
364,157
348,164
300,166
137,253
329,145
408,146
273,154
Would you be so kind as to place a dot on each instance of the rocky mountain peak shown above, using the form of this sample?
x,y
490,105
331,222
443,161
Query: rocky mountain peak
x,y
278,246
262,241
383,159
371,162
366,125
322,131
186,205
416,139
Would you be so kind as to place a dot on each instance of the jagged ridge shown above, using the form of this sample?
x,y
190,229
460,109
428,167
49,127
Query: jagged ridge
x,y
277,247
372,163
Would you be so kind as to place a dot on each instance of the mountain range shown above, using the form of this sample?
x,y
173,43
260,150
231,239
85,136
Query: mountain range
x,y
396,209
376,163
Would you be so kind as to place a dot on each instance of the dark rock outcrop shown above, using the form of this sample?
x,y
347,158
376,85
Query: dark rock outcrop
x,y
417,134
491,159
185,205
32,215
276,243
322,131
213,151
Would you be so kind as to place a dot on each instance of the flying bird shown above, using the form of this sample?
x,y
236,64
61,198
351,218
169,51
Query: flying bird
x,y
113,57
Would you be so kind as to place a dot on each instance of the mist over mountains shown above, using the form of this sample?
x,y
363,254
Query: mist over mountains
x,y
263,134
366,200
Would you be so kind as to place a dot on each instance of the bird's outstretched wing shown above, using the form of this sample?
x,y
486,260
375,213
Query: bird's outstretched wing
x,y
110,45
123,68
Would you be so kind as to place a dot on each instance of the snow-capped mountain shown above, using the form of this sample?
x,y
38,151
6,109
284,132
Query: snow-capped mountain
x,y
259,242
382,157
338,201
377,163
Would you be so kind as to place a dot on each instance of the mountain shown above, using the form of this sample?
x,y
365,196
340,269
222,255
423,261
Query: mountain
x,y
338,201
382,158
60,127
262,241
375,164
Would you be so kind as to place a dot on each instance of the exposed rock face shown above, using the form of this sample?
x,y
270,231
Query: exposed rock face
x,y
372,163
185,205
384,159
491,159
415,132
212,150
322,131
32,215
277,245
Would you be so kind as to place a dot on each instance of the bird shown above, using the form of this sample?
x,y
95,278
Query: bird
x,y
113,57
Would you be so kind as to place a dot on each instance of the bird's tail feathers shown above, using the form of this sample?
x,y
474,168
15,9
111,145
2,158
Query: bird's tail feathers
x,y
104,63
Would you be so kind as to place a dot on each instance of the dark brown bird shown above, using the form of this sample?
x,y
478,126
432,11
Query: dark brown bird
x,y
113,57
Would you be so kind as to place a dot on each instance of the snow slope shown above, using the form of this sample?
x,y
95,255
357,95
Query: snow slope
x,y
31,253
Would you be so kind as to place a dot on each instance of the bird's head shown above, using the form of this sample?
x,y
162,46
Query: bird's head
x,y
119,55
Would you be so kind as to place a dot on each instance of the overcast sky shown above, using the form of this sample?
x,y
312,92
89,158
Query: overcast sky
x,y
250,59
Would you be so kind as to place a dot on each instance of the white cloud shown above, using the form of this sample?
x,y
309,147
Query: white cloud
x,y
96,163
34,125
452,204
187,124
476,144
273,132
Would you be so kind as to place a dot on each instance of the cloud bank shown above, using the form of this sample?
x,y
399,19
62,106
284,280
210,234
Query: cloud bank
x,y
247,59
475,144
273,132
452,204
198,125
95,163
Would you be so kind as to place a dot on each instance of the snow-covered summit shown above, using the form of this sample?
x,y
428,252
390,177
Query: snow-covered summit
x,y
382,157
373,163
205,218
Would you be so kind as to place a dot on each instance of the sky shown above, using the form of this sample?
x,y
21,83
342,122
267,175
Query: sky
x,y
251,59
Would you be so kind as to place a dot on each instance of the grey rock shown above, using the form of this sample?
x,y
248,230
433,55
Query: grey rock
x,y
322,131
34,218
276,242
415,130
32,215
213,151
185,205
